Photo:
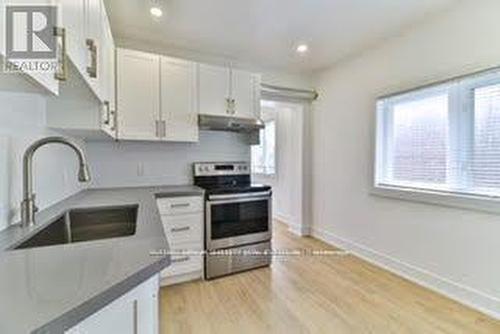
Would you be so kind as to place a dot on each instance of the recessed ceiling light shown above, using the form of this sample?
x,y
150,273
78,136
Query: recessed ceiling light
x,y
156,11
302,48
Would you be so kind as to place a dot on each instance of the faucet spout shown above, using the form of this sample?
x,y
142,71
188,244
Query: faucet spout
x,y
28,207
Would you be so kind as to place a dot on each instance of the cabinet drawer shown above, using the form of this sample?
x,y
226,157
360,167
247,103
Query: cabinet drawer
x,y
180,205
185,263
181,229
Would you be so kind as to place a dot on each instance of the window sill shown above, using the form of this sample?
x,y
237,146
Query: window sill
x,y
468,202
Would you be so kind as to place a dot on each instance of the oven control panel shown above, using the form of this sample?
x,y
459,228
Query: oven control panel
x,y
221,168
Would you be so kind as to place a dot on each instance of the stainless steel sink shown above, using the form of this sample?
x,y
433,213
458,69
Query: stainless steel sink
x,y
79,225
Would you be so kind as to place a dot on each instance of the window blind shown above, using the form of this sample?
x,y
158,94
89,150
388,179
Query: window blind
x,y
420,140
485,166
443,138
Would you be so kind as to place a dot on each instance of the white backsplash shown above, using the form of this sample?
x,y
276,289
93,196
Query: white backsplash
x,y
117,164
22,118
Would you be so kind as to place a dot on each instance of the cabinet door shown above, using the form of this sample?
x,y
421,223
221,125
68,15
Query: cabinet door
x,y
138,95
136,312
213,90
93,35
73,20
117,317
246,87
107,78
146,300
178,100
256,94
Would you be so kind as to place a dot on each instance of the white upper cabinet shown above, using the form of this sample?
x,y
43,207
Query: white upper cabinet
x,y
93,32
91,98
213,90
178,100
246,93
157,97
138,95
226,92
107,73
73,20
90,44
82,27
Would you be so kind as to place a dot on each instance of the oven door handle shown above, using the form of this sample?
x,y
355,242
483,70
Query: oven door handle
x,y
238,200
260,194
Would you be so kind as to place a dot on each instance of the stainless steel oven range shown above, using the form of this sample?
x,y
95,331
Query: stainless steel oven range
x,y
237,218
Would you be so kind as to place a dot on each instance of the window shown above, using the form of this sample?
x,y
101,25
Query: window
x,y
442,139
263,155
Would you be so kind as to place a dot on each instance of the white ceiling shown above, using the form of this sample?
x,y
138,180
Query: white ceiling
x,y
265,32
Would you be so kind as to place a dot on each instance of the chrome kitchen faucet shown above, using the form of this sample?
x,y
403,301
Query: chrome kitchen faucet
x,y
28,207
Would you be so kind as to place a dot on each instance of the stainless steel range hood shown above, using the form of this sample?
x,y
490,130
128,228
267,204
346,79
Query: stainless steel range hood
x,y
228,123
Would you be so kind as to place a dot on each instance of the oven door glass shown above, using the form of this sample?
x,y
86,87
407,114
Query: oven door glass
x,y
237,218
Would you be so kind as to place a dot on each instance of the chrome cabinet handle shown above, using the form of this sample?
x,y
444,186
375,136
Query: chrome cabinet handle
x,y
179,205
92,47
230,106
163,128
113,117
107,121
158,128
182,259
136,320
180,229
62,69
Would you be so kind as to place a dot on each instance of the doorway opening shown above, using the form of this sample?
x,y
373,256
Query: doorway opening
x,y
279,161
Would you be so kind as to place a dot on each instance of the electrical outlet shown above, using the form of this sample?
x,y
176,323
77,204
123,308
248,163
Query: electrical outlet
x,y
65,177
140,169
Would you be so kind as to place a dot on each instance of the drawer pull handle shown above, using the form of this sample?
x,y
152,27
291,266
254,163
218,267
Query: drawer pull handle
x,y
179,205
182,259
180,229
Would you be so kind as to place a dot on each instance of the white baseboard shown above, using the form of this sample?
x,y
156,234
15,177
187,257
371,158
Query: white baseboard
x,y
293,227
463,294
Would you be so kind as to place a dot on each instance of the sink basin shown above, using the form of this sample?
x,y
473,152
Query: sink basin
x,y
79,225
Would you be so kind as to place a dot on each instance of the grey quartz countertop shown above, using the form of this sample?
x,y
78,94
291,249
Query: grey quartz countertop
x,y
50,289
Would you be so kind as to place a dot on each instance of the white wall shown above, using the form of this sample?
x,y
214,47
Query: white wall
x,y
453,250
23,121
142,163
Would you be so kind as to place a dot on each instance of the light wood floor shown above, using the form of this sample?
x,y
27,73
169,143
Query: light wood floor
x,y
320,294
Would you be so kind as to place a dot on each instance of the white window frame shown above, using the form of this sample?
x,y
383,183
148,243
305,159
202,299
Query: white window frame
x,y
461,116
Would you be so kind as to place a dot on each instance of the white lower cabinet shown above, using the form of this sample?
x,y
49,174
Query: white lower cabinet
x,y
133,313
182,219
